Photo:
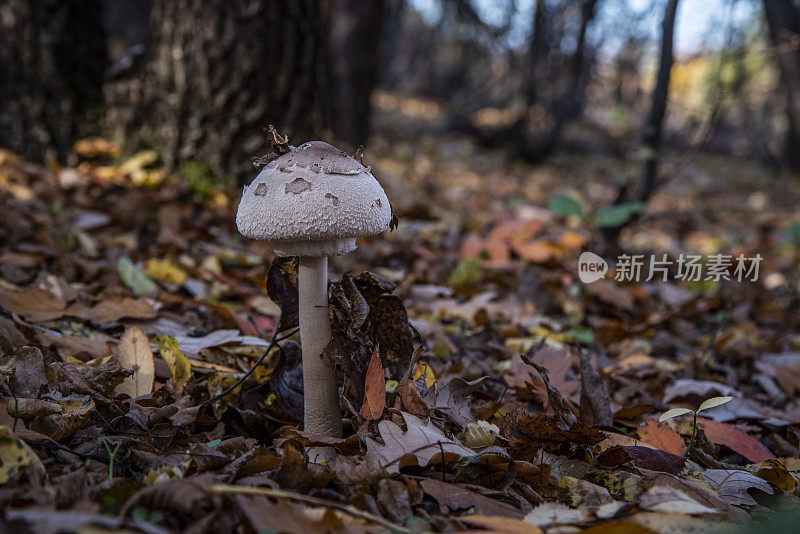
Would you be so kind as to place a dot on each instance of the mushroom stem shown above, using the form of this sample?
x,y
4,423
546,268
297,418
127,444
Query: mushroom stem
x,y
323,414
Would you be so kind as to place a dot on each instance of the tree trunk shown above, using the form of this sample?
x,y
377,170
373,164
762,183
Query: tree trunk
x,y
783,19
570,103
217,72
52,58
355,53
654,123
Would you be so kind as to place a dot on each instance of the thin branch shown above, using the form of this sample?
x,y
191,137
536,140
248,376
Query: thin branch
x,y
273,343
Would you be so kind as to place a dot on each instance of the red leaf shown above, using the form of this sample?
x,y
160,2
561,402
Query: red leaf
x,y
735,439
644,457
374,389
661,437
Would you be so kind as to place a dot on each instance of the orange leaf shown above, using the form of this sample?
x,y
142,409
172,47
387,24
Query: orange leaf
x,y
661,437
472,246
374,389
735,439
572,240
499,253
537,251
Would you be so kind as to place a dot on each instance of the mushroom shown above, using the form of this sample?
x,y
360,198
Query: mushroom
x,y
313,202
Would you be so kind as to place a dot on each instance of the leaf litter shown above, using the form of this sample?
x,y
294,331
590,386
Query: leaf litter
x,y
483,387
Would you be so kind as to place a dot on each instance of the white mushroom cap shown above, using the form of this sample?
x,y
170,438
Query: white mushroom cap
x,y
313,201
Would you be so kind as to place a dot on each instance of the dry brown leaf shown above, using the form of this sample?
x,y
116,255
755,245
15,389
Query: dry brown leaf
x,y
33,304
733,485
421,444
133,352
374,389
662,437
456,499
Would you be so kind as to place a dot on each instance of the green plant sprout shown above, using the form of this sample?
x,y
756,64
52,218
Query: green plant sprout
x,y
112,453
713,402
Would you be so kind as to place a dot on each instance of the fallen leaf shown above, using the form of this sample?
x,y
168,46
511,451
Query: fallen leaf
x,y
29,374
671,499
595,400
501,525
549,514
165,271
15,457
109,311
178,363
643,457
218,338
480,434
424,370
282,289
524,431
374,389
775,472
421,444
133,352
452,399
33,304
661,437
456,499
702,495
733,485
134,278
736,440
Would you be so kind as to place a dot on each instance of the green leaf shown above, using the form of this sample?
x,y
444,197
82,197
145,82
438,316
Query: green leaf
x,y
564,205
713,402
135,279
611,216
465,275
582,335
675,412
792,234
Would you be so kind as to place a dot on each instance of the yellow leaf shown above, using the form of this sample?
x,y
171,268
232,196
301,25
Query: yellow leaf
x,y
96,147
423,369
164,270
133,352
177,361
775,472
15,455
138,161
480,434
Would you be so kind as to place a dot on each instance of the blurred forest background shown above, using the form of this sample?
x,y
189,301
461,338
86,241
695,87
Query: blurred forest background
x,y
198,81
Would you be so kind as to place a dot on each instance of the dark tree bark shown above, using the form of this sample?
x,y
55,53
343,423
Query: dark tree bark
x,y
783,19
52,58
654,123
217,72
536,51
355,53
570,103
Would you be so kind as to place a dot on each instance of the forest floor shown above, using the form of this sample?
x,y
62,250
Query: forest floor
x,y
519,400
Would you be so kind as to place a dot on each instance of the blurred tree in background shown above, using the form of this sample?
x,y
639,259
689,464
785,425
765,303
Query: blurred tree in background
x,y
52,60
199,81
